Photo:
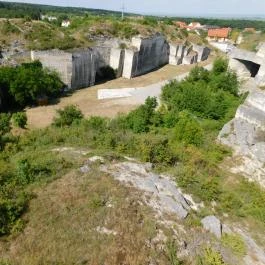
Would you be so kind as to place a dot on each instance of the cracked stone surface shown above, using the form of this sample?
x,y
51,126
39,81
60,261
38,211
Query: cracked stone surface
x,y
160,192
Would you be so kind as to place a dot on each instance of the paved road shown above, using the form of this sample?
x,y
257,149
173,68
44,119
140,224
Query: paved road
x,y
140,94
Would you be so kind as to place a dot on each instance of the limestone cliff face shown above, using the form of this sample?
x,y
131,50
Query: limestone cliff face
x,y
246,135
145,55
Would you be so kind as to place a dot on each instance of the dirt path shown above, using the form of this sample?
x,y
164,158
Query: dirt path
x,y
86,99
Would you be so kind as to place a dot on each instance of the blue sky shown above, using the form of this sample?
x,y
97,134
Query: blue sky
x,y
170,7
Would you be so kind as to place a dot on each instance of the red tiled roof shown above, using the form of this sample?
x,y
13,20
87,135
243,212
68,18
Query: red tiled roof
x,y
219,33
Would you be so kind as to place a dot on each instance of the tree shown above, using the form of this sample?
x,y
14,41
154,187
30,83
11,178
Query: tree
x,y
32,81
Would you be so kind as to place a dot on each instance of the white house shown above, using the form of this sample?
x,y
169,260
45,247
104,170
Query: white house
x,y
66,23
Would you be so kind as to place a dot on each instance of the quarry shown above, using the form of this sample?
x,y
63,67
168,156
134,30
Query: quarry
x,y
245,133
81,68
130,139
249,64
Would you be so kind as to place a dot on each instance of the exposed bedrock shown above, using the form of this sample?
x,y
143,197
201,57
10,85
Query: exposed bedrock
x,y
145,55
182,54
249,64
246,135
82,68
76,70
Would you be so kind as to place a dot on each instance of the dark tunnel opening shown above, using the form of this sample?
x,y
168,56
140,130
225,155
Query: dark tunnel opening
x,y
252,67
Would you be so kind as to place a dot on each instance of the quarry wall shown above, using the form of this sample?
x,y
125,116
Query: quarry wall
x,y
182,54
145,55
82,68
76,69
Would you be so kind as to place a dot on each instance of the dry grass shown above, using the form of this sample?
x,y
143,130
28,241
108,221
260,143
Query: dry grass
x,y
62,224
251,41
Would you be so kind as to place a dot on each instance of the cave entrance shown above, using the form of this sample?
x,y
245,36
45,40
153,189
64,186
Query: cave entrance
x,y
252,67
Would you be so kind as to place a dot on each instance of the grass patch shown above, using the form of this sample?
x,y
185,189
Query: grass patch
x,y
236,243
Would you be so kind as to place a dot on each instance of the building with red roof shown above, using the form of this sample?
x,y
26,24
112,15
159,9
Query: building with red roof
x,y
221,34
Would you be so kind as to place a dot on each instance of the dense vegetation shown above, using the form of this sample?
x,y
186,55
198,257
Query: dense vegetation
x,y
178,137
23,85
23,10
33,11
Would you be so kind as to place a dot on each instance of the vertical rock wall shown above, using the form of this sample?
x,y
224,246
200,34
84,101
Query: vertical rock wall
x,y
76,70
202,51
117,60
56,60
181,54
146,55
84,69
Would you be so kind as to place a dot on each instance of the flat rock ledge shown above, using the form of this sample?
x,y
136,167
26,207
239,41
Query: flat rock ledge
x,y
159,191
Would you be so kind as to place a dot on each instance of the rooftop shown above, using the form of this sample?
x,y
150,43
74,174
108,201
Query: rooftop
x,y
219,33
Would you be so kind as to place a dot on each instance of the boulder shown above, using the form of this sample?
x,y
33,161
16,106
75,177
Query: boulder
x,y
213,225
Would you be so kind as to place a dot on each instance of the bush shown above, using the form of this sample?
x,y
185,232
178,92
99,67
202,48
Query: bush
x,y
207,94
20,119
188,130
67,116
4,123
236,243
140,119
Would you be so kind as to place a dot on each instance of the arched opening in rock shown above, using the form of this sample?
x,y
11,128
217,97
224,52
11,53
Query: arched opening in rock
x,y
252,67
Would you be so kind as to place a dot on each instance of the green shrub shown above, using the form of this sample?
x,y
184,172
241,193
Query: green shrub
x,y
188,130
67,116
207,94
20,119
236,243
96,123
210,257
171,252
140,119
11,209
4,123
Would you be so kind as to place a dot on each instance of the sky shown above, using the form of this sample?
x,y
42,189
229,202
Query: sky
x,y
169,7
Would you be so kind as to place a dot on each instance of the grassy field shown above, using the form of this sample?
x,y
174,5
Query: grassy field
x,y
64,222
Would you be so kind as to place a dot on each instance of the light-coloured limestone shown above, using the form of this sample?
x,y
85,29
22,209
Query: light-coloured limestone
x,y
77,69
160,192
115,93
249,64
246,135
146,54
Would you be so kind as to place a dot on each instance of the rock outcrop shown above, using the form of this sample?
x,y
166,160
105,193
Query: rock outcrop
x,y
213,225
159,191
246,135
249,64
182,54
